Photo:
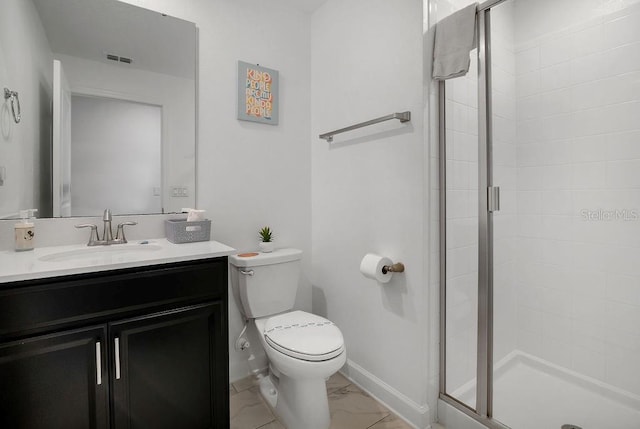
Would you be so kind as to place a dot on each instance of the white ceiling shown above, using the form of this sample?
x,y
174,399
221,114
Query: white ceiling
x,y
92,28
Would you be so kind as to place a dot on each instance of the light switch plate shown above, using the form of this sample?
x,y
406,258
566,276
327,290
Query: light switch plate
x,y
179,191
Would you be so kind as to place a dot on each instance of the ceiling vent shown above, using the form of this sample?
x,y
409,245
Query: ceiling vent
x,y
119,59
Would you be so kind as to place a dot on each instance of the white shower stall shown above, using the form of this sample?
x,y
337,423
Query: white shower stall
x,y
540,296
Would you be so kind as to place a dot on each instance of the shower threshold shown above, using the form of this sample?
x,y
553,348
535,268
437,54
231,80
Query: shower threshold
x,y
531,393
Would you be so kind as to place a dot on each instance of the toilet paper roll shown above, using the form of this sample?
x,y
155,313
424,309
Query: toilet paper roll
x,y
371,267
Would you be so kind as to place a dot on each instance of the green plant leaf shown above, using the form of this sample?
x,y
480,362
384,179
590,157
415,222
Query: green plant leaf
x,y
265,234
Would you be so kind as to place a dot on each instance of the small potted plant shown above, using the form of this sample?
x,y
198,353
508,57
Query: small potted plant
x,y
266,240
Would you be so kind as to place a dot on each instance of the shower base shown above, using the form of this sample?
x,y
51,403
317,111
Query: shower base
x,y
531,393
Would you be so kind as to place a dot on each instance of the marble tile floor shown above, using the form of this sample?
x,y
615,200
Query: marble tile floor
x,y
350,407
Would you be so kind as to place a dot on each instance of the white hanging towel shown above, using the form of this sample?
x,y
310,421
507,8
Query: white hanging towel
x,y
455,38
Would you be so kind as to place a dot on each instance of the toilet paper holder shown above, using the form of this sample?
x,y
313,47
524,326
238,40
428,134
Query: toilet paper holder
x,y
379,268
398,267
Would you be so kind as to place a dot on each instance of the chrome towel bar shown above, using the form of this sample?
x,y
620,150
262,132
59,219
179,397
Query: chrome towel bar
x,y
402,116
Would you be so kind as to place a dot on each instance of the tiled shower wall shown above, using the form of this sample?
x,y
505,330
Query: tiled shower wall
x,y
578,195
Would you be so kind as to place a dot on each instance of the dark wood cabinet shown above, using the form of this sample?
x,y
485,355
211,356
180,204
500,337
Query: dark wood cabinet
x,y
137,348
165,369
55,381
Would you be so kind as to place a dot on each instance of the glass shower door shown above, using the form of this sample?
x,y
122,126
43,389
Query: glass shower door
x,y
461,154
565,110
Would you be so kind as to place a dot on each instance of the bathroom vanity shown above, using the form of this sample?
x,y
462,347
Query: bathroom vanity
x,y
110,341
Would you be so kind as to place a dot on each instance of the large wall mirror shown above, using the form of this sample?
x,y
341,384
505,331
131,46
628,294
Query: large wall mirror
x,y
107,94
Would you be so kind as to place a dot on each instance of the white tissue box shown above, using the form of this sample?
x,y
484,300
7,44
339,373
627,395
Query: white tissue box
x,y
181,231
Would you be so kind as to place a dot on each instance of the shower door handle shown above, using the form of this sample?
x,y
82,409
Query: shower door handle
x,y
493,199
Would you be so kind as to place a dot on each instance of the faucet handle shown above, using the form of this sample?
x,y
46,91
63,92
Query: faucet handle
x,y
120,232
93,238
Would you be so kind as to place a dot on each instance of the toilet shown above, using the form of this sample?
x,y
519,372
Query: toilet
x,y
303,349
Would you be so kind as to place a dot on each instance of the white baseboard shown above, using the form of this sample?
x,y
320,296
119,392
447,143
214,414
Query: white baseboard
x,y
418,416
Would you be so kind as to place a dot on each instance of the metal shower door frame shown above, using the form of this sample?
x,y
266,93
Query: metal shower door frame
x,y
483,411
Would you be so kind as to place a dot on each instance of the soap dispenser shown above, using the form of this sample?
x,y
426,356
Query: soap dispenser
x,y
25,230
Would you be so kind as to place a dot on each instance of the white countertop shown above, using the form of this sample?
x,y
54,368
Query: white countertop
x,y
79,258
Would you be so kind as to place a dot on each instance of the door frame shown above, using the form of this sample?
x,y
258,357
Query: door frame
x,y
483,411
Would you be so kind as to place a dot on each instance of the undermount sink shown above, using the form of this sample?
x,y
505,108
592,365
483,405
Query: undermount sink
x,y
111,251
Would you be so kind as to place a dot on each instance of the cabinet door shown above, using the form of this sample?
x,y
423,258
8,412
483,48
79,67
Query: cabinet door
x,y
55,381
170,370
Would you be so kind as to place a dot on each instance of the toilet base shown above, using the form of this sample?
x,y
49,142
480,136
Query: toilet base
x,y
298,404
269,391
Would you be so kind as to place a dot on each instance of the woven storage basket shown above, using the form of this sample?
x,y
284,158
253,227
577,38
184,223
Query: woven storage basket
x,y
181,231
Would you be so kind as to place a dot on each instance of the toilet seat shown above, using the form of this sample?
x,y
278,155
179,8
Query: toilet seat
x,y
304,336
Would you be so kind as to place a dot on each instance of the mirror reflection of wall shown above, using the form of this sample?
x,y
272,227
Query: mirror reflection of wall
x,y
108,154
175,96
84,35
25,148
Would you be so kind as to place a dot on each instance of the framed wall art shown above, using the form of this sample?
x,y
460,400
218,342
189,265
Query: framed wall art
x,y
257,93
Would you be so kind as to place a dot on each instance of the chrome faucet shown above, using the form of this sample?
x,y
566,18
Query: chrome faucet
x,y
107,233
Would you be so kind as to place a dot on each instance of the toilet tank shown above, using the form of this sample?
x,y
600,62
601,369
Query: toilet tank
x,y
267,283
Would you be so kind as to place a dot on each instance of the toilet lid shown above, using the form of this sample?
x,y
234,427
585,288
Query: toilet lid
x,y
303,335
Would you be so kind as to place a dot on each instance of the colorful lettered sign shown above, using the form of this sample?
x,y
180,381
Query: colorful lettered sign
x,y
257,93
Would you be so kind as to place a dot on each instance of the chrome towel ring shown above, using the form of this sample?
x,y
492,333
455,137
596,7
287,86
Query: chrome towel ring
x,y
13,96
